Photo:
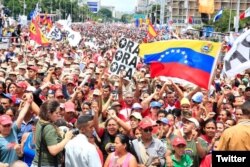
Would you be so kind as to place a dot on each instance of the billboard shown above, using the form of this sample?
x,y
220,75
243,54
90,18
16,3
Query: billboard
x,y
94,5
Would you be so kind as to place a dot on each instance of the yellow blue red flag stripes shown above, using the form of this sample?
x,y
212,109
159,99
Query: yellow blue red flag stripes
x,y
151,31
191,60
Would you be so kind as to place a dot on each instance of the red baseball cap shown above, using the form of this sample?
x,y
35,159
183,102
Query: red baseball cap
x,y
22,84
5,120
179,140
145,123
34,68
69,106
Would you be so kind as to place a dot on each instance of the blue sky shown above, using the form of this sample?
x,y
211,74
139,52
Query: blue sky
x,y
121,5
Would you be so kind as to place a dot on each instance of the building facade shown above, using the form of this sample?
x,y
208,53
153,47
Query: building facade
x,y
178,10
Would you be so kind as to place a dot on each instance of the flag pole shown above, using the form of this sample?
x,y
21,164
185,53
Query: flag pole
x,y
237,16
230,17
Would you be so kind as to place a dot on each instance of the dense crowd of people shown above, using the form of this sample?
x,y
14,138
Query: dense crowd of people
x,y
60,106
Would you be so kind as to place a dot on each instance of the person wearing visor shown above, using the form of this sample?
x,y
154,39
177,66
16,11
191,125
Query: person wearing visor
x,y
155,107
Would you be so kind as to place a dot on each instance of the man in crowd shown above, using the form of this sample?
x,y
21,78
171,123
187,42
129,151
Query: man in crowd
x,y
79,152
235,138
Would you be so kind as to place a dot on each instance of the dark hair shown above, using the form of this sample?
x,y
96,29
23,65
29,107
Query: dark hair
x,y
106,87
86,103
124,140
246,108
8,88
162,112
3,85
203,125
228,114
230,119
47,108
107,121
176,112
13,110
8,79
83,120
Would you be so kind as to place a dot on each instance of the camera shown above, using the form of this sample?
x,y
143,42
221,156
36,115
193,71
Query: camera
x,y
75,131
110,147
115,94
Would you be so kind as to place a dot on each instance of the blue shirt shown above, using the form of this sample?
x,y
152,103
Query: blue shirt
x,y
25,127
7,152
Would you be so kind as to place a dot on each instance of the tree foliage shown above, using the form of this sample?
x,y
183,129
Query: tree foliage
x,y
222,25
105,12
126,18
63,7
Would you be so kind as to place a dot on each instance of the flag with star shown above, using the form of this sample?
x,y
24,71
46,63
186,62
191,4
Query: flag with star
x,y
190,60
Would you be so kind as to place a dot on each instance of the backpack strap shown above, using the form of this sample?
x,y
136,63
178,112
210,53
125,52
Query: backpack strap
x,y
44,145
40,149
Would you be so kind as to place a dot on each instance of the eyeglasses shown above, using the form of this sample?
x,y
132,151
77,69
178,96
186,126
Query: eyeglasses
x,y
181,146
148,130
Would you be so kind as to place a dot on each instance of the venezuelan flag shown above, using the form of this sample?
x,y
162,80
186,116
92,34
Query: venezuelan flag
x,y
191,60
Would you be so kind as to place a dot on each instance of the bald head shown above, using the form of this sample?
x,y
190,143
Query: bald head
x,y
18,164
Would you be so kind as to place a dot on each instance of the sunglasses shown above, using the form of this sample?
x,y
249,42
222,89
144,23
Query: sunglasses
x,y
181,146
148,130
7,126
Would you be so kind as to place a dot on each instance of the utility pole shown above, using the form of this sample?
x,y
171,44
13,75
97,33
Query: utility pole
x,y
162,13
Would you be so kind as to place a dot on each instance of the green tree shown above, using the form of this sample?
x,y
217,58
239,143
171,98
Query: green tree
x,y
105,12
126,18
222,25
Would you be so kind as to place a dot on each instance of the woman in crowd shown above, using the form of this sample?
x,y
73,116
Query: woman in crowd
x,y
121,156
208,132
11,89
49,143
11,111
108,134
224,115
238,114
